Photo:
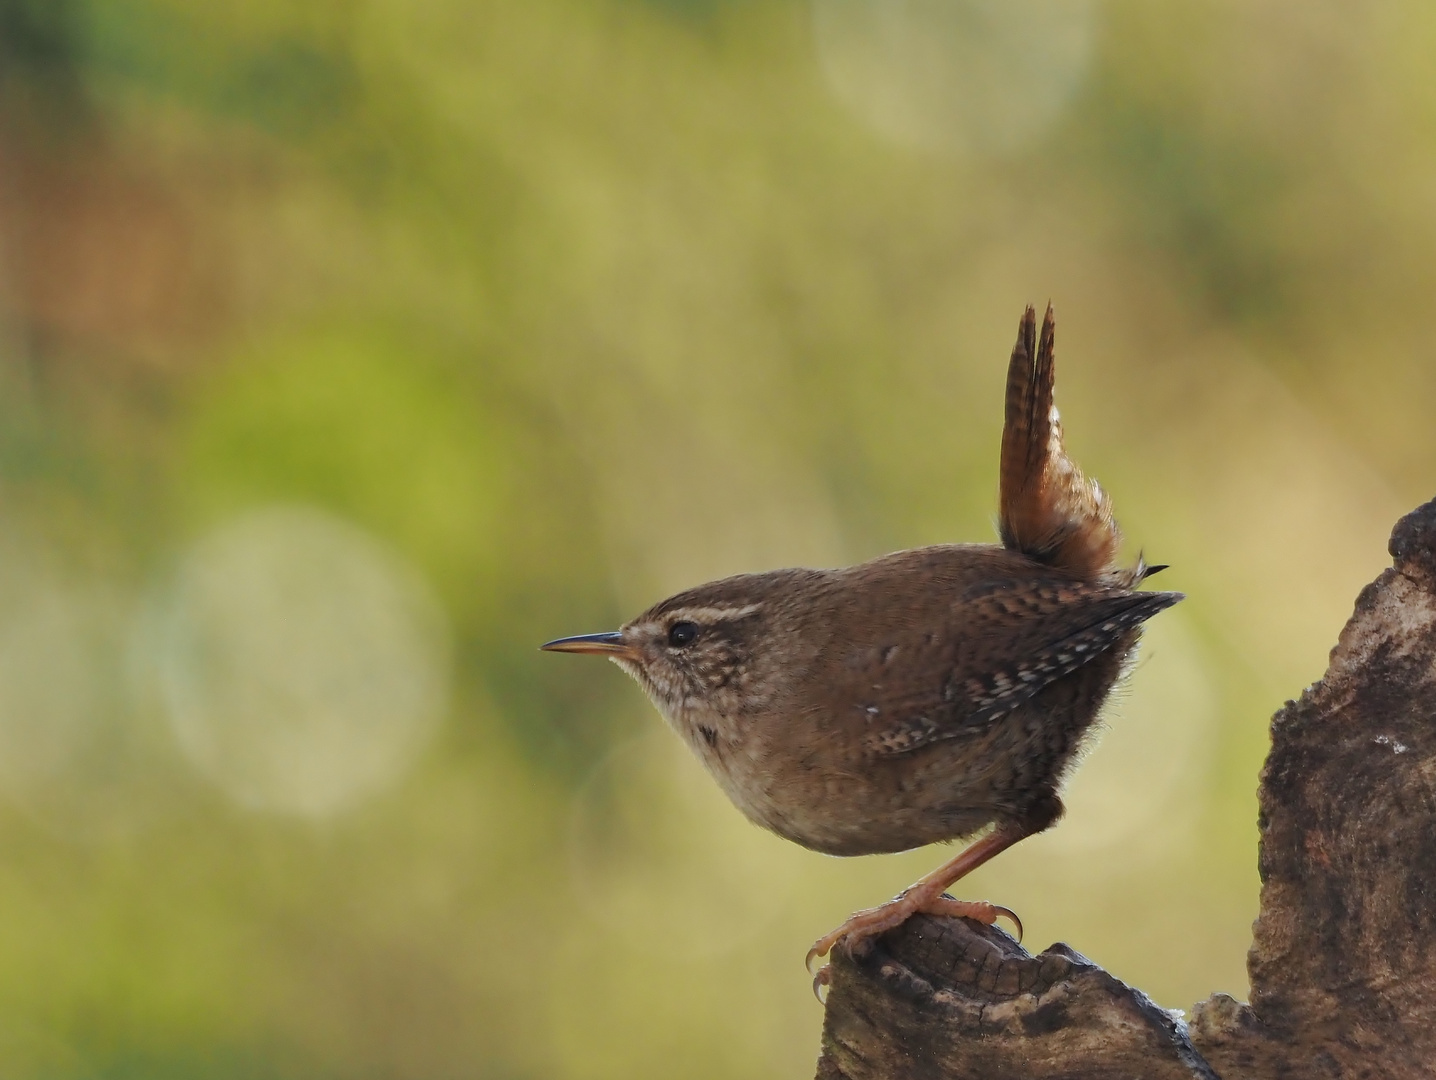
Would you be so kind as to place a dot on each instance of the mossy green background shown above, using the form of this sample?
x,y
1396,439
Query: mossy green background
x,y
571,305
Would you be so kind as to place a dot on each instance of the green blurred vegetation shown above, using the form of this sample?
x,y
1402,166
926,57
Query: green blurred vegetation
x,y
571,305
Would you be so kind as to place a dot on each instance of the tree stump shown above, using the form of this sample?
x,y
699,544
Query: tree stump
x,y
1343,957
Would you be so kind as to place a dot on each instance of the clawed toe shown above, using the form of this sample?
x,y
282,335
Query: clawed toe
x,y
1011,917
977,910
869,923
816,951
862,925
822,979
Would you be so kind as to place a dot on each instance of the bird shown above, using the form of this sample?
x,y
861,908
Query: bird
x,y
931,695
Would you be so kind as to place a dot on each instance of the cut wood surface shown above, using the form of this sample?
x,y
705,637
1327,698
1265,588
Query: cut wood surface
x,y
1343,957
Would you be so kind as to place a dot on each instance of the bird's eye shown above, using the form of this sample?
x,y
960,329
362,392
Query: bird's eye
x,y
681,634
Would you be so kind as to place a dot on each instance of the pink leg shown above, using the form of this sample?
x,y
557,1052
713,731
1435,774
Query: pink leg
x,y
926,896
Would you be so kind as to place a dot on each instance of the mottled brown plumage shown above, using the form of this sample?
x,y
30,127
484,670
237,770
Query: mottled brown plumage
x,y
919,697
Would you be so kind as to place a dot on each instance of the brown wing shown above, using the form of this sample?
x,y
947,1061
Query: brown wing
x,y
944,684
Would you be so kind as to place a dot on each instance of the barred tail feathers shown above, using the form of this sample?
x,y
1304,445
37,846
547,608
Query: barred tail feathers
x,y
1049,510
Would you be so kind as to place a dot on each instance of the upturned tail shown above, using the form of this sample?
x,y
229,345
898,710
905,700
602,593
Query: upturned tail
x,y
1049,511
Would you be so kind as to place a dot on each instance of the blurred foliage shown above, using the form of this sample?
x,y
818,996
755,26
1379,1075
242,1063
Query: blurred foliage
x,y
570,305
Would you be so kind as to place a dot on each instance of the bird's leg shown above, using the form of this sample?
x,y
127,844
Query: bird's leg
x,y
926,895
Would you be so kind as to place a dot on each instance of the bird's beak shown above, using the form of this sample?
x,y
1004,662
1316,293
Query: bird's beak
x,y
610,644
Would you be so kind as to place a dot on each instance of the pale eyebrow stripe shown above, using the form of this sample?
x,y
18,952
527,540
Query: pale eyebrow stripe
x,y
713,614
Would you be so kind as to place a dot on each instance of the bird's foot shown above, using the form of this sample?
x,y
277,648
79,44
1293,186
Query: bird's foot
x,y
871,922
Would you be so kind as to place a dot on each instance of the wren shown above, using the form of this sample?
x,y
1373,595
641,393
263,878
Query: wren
x,y
923,696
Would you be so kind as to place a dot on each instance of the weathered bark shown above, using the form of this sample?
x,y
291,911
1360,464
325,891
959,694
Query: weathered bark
x,y
1343,958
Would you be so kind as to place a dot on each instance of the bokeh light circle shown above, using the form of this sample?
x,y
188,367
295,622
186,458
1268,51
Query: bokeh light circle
x,y
303,663
966,77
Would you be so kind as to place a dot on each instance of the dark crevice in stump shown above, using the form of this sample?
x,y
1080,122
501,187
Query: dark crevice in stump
x,y
1343,959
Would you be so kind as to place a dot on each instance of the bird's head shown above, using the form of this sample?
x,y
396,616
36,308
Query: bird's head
x,y
707,652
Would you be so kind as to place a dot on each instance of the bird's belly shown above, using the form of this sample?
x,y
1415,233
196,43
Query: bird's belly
x,y
852,808
849,803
